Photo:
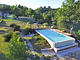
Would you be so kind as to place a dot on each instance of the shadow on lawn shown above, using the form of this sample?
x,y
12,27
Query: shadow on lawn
x,y
2,32
3,24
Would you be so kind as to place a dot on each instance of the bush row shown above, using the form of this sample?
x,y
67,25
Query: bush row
x,y
27,30
7,36
15,27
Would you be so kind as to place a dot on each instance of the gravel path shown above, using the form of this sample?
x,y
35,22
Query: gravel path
x,y
28,42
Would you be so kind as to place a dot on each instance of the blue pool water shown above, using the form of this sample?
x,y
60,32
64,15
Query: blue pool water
x,y
53,35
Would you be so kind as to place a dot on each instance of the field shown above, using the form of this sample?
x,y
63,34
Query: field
x,y
6,23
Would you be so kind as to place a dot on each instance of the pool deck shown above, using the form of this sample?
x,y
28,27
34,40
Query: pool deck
x,y
68,34
48,51
59,54
64,52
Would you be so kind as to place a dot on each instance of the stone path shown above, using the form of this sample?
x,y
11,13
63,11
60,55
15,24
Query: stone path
x,y
28,43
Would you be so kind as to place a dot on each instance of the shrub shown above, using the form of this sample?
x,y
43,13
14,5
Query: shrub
x,y
49,24
55,27
53,23
78,32
12,25
27,30
38,42
7,36
36,57
17,33
17,28
10,30
41,21
45,24
48,56
30,22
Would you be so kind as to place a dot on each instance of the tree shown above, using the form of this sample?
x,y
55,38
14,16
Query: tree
x,y
37,16
49,7
58,14
78,32
1,7
61,23
44,6
19,6
15,10
18,10
26,13
69,11
17,49
47,19
7,8
24,10
29,12
16,28
27,30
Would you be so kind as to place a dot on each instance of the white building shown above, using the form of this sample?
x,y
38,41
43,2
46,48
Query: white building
x,y
6,14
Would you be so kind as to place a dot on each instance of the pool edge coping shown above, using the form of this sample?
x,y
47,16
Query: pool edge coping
x,y
59,33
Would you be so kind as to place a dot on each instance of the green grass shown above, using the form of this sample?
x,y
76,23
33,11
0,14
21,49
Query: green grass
x,y
3,47
4,26
6,23
38,42
25,20
21,22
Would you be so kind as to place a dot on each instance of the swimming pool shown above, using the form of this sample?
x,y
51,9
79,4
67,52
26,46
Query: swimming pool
x,y
53,35
55,39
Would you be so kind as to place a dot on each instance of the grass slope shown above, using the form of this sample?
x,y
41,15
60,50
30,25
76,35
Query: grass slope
x,y
6,23
3,28
38,42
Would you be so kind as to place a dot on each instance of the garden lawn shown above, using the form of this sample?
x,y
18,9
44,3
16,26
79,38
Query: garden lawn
x,y
38,42
6,23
